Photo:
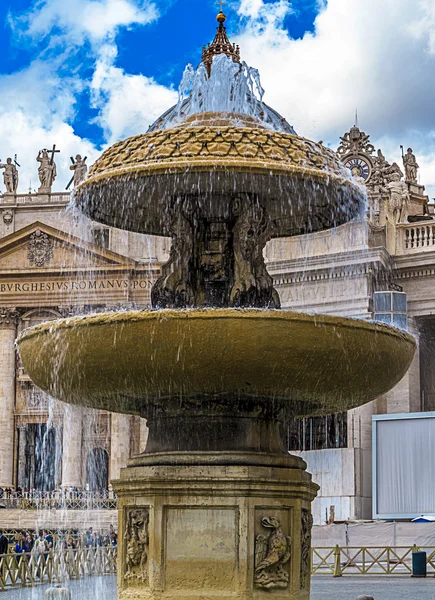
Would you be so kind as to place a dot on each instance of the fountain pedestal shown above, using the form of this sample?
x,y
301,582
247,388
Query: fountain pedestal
x,y
214,531
215,507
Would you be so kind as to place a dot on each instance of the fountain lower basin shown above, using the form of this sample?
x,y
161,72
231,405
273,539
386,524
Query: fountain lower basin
x,y
124,361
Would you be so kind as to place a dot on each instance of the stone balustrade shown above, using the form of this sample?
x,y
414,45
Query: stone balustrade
x,y
415,237
58,198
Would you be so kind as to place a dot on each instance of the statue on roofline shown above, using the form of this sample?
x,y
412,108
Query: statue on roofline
x,y
47,169
411,166
10,176
399,199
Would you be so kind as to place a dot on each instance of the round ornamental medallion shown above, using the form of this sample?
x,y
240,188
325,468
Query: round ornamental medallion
x,y
360,167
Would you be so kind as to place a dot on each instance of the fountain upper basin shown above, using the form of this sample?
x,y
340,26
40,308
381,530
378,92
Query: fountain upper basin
x,y
121,361
215,156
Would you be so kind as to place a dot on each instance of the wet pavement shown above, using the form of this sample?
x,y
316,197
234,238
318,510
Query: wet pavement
x,y
323,588
90,588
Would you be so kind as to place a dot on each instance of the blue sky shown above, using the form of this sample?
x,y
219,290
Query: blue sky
x,y
160,49
85,73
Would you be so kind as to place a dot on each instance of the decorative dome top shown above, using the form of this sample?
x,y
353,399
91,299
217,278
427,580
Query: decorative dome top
x,y
221,18
221,83
220,45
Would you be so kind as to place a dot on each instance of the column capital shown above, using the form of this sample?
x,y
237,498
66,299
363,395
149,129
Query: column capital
x,y
8,317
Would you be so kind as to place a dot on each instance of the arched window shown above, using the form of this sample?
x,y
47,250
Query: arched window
x,y
37,316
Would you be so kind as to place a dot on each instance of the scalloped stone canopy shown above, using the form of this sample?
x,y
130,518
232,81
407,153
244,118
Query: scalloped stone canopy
x,y
301,184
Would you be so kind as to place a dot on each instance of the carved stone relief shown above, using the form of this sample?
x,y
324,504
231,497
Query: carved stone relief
x,y
306,527
354,142
174,288
272,552
8,217
253,286
40,249
216,259
136,544
37,399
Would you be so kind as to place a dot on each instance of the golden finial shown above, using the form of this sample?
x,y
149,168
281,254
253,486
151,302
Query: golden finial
x,y
221,18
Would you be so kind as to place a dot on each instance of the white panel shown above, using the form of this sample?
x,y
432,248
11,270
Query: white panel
x,y
405,467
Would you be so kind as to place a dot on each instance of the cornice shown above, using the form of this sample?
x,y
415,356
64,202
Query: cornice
x,y
331,266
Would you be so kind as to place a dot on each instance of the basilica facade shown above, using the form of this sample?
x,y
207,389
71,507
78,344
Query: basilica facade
x,y
53,265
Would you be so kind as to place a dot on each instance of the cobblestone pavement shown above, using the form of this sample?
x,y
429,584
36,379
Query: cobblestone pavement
x,y
381,588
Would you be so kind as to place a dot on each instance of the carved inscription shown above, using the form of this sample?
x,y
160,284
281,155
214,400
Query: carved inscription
x,y
272,552
136,545
306,526
83,285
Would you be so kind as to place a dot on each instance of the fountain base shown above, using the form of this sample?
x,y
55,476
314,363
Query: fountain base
x,y
207,531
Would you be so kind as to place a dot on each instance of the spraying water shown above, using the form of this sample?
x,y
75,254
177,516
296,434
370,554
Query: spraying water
x,y
233,88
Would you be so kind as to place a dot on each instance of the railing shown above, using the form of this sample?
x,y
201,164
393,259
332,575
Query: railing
x,y
368,560
418,237
55,566
60,501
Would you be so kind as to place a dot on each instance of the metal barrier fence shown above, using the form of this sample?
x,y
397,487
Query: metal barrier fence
x,y
368,560
55,567
60,565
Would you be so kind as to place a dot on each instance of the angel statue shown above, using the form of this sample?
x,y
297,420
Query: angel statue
x,y
10,176
271,553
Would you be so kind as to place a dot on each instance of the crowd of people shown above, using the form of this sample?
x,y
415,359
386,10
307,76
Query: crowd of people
x,y
93,539
26,542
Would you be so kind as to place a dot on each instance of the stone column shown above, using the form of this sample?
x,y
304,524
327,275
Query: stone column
x,y
119,444
72,447
22,435
143,434
58,459
8,331
31,457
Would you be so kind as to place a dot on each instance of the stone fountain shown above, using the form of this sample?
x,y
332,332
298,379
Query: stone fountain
x,y
215,507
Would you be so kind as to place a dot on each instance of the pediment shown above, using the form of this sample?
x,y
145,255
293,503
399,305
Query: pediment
x,y
40,246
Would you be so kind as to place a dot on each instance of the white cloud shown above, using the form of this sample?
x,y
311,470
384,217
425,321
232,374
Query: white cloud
x,y
79,20
38,103
376,56
129,103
